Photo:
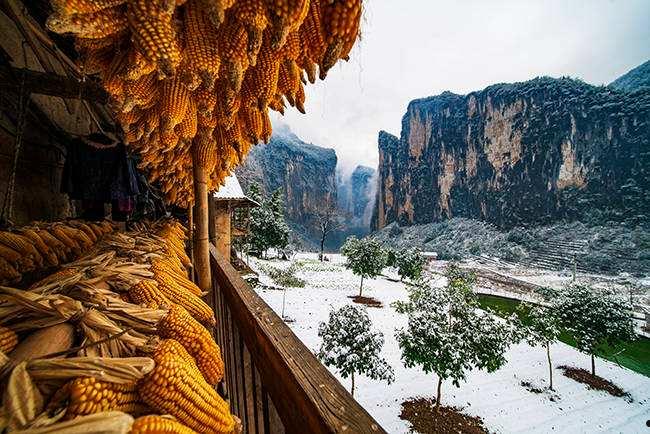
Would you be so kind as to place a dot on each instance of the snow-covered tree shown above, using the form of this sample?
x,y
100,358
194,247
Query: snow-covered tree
x,y
409,263
351,346
447,334
595,318
365,257
267,226
541,329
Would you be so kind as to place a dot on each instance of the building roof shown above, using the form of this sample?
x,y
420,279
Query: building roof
x,y
231,191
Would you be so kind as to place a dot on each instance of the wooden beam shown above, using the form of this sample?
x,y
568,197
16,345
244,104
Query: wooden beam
x,y
44,83
201,242
223,239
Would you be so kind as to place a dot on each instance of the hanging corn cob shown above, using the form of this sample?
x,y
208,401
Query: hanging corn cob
x,y
162,60
89,395
154,424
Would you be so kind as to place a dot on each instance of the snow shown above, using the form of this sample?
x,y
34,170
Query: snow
x,y
498,398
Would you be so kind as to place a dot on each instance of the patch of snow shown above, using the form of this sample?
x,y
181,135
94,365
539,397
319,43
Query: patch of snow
x,y
498,398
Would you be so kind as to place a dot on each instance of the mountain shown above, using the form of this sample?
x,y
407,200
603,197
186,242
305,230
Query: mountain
x,y
305,172
356,195
516,154
635,79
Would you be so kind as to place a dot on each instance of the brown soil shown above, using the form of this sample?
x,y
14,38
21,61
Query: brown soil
x,y
368,301
421,414
594,381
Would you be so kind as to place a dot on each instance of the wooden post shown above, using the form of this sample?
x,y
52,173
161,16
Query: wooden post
x,y
212,226
190,227
201,242
222,229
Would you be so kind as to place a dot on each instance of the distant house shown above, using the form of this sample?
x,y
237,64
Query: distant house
x,y
225,223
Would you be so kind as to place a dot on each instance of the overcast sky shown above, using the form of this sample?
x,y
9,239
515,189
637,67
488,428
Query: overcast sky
x,y
416,48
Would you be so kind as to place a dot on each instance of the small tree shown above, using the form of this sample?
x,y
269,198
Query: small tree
x,y
595,319
541,329
327,219
409,263
267,226
352,347
446,332
365,257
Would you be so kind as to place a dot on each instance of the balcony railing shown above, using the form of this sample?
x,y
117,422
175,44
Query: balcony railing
x,y
273,381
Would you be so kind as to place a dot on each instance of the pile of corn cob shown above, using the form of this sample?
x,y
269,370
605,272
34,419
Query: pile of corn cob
x,y
198,77
44,245
129,300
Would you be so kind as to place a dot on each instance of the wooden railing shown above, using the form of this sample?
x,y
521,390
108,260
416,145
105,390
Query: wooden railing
x,y
273,381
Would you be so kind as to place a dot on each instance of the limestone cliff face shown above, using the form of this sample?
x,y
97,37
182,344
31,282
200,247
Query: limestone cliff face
x,y
356,195
305,172
523,153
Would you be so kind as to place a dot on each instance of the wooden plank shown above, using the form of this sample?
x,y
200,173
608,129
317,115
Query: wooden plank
x,y
249,388
257,401
44,83
306,396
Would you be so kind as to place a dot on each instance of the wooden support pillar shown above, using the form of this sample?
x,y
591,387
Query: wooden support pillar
x,y
201,242
190,228
212,227
222,229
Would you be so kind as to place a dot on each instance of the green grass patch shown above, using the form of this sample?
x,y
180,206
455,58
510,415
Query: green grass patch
x,y
633,355
315,265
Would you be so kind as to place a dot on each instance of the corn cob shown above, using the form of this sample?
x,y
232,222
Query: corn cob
x,y
22,245
8,272
173,105
285,16
171,346
253,16
233,44
264,77
193,304
60,249
146,293
201,44
153,32
178,324
140,92
8,339
87,395
56,277
99,24
187,128
216,9
61,235
42,248
341,19
174,387
204,149
69,7
154,424
77,235
78,224
164,271
9,254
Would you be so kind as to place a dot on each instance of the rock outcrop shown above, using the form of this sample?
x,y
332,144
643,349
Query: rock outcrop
x,y
356,195
305,172
518,154
637,78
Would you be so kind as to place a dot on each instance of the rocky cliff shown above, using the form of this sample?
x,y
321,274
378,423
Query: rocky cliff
x,y
305,172
356,195
635,79
516,154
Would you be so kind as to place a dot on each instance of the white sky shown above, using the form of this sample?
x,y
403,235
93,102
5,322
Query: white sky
x,y
416,48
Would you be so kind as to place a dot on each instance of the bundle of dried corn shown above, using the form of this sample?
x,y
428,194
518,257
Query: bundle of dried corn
x,y
129,297
196,71
44,245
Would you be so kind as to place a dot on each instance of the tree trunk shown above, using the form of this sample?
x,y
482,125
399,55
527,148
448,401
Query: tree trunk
x,y
361,287
593,365
352,391
322,247
550,366
438,396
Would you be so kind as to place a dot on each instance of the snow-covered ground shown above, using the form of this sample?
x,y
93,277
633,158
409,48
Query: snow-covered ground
x,y
498,398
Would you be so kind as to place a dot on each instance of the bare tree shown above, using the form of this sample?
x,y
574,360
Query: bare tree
x,y
327,219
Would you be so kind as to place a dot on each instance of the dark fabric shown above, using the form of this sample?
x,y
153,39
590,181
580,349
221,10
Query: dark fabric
x,y
100,174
